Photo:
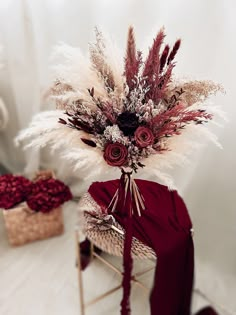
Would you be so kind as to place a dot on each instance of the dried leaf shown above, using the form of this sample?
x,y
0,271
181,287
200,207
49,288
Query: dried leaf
x,y
89,142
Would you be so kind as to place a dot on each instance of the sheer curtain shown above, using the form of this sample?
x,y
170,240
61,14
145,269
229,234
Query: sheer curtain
x,y
29,30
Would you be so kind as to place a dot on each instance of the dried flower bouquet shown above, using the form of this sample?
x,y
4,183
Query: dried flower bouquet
x,y
128,116
32,210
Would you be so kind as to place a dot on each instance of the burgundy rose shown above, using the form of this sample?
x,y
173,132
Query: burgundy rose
x,y
13,190
143,137
128,123
48,194
115,154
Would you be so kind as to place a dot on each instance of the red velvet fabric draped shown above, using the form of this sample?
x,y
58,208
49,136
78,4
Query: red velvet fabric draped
x,y
164,226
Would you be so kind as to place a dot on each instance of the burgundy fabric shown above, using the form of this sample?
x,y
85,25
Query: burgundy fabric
x,y
85,253
127,266
164,226
124,207
207,311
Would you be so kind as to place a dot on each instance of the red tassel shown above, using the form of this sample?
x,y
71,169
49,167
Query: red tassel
x,y
128,266
126,202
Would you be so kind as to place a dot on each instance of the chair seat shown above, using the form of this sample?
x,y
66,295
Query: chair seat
x,y
109,240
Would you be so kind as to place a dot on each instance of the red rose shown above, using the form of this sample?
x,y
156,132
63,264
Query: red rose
x,y
48,194
13,190
115,154
143,137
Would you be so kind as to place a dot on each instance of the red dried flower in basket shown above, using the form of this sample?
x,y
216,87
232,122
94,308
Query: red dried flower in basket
x,y
48,194
13,190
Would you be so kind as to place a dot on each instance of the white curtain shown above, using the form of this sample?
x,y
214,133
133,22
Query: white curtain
x,y
29,30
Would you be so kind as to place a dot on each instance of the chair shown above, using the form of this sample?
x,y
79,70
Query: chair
x,y
109,240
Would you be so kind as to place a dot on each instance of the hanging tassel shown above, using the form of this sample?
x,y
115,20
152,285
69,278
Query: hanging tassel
x,y
127,187
126,202
127,267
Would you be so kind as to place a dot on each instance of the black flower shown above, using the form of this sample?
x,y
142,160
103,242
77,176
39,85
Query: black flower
x,y
128,123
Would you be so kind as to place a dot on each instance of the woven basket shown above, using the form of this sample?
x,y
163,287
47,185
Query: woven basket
x,y
110,241
45,174
24,225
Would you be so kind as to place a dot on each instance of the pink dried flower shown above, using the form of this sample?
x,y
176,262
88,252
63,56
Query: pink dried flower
x,y
128,122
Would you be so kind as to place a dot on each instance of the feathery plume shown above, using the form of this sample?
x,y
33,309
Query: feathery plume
x,y
98,60
132,61
164,56
174,51
152,63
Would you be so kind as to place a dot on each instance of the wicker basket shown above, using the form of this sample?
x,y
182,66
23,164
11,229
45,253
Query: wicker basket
x,y
110,241
24,226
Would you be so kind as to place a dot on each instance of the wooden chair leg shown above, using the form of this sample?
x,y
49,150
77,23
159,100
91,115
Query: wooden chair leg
x,y
108,264
80,279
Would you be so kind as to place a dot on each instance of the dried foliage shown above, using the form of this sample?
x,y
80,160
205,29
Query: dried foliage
x,y
195,91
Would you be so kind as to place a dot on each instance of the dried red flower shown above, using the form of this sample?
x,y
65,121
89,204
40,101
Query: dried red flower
x,y
13,190
48,194
143,137
115,154
128,123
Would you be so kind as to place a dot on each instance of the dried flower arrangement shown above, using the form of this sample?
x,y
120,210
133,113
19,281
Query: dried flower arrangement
x,y
43,195
32,209
127,115
13,190
131,115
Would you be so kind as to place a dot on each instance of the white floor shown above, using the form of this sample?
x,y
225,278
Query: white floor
x,y
41,279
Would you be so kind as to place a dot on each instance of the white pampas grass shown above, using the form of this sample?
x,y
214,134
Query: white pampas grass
x,y
74,68
180,149
88,161
44,130
115,60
